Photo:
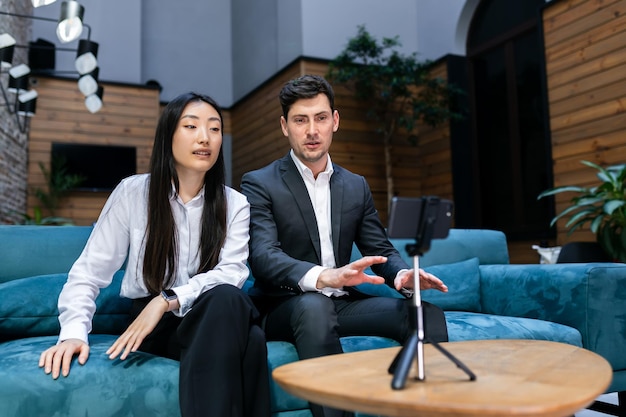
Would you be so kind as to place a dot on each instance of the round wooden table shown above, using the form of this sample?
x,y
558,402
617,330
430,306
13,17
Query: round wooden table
x,y
513,378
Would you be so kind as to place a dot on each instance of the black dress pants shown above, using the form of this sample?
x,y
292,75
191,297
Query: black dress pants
x,y
314,323
222,353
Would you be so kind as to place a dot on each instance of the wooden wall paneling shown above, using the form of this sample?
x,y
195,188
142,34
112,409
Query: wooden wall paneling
x,y
586,77
356,146
128,117
257,138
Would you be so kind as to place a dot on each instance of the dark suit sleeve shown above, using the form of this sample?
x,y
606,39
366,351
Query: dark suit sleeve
x,y
275,271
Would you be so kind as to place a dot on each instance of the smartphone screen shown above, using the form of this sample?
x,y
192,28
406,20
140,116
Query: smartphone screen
x,y
409,216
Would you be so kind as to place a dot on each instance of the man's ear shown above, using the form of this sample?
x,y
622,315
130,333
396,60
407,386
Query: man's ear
x,y
283,125
335,121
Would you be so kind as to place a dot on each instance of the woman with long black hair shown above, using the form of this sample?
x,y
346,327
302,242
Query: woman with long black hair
x,y
184,234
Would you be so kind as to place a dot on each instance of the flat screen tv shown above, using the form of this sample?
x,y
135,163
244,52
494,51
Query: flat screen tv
x,y
101,166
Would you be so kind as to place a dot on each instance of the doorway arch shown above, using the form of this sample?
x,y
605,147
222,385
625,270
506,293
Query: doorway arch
x,y
510,150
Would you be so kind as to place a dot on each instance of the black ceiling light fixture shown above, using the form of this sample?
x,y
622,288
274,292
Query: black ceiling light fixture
x,y
70,24
19,99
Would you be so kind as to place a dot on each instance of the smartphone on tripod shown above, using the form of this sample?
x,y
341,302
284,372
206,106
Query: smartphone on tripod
x,y
422,219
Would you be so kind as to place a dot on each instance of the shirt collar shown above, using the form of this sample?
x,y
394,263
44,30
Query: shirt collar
x,y
306,171
198,198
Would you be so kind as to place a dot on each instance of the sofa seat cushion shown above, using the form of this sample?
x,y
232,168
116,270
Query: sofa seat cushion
x,y
142,385
29,307
476,326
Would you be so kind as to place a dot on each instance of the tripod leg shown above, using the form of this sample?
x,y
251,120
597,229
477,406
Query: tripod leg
x,y
456,361
401,364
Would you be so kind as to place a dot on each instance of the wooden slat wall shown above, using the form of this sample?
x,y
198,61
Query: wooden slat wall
x,y
128,117
586,74
258,140
435,159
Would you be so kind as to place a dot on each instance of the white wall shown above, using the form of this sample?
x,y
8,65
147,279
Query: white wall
x,y
186,45
227,48
115,26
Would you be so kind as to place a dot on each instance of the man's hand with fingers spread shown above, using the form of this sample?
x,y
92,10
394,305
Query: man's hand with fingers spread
x,y
427,281
351,274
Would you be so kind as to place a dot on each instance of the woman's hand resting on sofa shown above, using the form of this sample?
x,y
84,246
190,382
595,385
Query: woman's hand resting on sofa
x,y
142,326
58,358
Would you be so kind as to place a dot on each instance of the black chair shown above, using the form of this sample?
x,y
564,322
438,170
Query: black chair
x,y
574,252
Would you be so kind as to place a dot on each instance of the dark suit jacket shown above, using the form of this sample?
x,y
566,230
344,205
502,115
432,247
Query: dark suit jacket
x,y
284,240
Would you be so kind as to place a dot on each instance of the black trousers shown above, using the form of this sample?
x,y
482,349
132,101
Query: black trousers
x,y
222,353
314,323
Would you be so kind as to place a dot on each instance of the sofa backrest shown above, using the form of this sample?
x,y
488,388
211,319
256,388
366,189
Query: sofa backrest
x,y
27,251
489,246
38,250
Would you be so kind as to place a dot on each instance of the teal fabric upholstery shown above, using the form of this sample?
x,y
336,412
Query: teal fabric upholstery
x,y
27,251
142,385
489,246
580,304
29,307
463,281
588,297
477,326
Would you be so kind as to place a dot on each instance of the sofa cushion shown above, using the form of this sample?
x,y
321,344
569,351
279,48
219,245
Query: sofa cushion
x,y
142,385
463,281
29,307
28,250
476,326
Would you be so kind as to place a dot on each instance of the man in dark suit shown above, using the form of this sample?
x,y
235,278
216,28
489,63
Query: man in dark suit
x,y
306,213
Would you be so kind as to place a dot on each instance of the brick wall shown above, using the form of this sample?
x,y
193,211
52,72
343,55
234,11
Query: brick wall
x,y
13,144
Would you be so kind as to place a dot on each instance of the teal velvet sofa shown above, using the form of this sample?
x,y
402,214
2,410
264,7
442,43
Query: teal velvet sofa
x,y
580,304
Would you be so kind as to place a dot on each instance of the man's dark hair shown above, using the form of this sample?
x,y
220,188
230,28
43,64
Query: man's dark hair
x,y
306,86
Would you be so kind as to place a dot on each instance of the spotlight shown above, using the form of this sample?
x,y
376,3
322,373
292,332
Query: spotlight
x,y
27,103
88,83
86,56
94,101
18,79
70,22
39,3
7,45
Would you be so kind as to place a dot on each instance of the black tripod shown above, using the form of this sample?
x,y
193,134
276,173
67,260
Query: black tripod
x,y
414,346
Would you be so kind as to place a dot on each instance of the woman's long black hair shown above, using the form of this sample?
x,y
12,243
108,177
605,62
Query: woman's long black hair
x,y
159,263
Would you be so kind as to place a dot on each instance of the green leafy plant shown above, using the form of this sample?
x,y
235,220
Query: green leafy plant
x,y
602,206
398,88
59,182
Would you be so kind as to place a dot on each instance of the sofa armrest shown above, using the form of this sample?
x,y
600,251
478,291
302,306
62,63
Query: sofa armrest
x,y
590,297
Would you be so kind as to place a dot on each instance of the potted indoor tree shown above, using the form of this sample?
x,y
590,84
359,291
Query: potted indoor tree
x,y
603,206
398,89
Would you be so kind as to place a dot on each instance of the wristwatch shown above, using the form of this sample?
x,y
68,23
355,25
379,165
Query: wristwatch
x,y
170,296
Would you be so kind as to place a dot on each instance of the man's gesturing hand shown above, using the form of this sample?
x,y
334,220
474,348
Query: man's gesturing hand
x,y
351,274
427,281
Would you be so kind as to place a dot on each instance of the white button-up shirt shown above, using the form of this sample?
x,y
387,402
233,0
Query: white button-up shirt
x,y
120,233
319,193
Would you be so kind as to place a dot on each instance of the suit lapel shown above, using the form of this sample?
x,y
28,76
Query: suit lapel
x,y
336,205
295,183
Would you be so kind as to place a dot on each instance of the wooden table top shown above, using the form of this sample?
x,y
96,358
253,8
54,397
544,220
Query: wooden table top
x,y
513,377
